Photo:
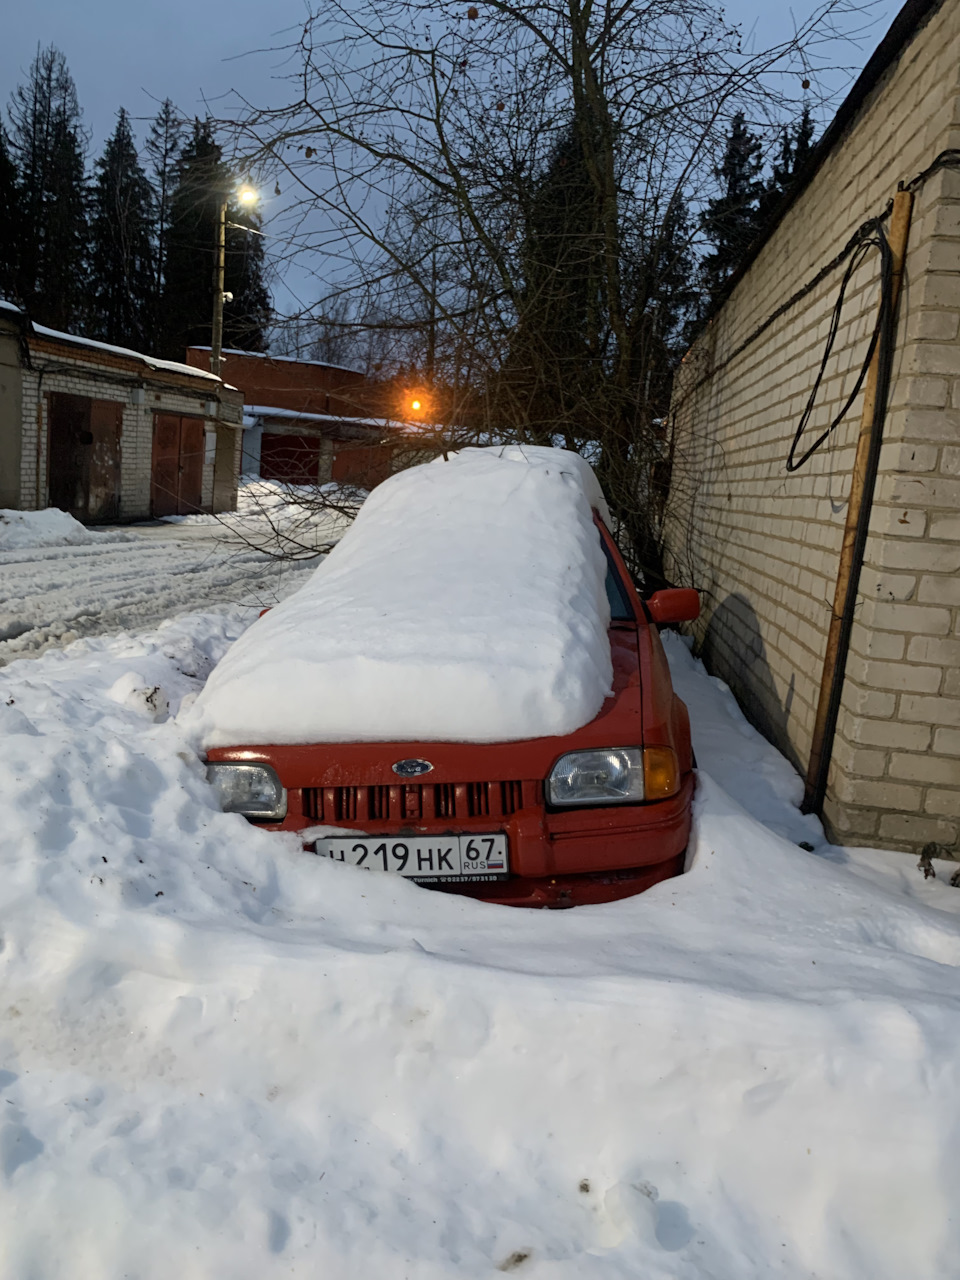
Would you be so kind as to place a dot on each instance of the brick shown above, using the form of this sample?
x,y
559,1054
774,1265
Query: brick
x,y
933,357
887,645
945,527
909,618
932,557
912,828
951,684
939,325
935,256
900,521
882,585
898,676
844,820
943,804
944,651
862,762
947,742
928,393
869,702
878,794
950,461
889,733
914,491
925,768
936,425
896,456
939,589
944,711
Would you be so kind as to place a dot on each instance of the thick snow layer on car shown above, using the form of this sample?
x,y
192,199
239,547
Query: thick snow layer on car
x,y
49,528
223,1057
465,603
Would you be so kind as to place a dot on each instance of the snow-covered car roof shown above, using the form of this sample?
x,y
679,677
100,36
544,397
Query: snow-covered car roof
x,y
466,603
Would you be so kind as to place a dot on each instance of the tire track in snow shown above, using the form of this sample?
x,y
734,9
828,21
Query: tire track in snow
x,y
53,595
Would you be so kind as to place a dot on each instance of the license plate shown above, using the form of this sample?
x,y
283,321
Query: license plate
x,y
424,858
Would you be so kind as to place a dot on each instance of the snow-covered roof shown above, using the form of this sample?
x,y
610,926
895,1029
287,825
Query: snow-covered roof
x,y
466,603
165,366
266,355
152,362
294,415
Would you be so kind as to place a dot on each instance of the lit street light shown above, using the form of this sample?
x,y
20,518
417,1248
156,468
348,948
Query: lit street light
x,y
248,197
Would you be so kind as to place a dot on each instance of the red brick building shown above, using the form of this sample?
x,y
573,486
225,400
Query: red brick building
x,y
306,422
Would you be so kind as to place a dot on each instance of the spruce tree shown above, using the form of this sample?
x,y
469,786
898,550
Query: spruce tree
x,y
49,146
796,144
121,244
203,181
732,220
163,147
669,297
10,221
550,362
246,318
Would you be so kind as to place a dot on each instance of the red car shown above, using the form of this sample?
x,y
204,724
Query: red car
x,y
590,816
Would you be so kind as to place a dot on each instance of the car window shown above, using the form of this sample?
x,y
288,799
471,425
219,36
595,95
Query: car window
x,y
620,609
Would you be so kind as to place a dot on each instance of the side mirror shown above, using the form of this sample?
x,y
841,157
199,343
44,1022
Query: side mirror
x,y
674,604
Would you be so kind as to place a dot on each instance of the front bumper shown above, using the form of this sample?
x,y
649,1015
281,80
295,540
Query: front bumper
x,y
569,857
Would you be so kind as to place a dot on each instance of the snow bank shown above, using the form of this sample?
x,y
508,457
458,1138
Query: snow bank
x,y
222,1057
278,500
465,603
49,528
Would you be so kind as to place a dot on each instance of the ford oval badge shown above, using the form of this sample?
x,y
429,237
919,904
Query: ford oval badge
x,y
412,768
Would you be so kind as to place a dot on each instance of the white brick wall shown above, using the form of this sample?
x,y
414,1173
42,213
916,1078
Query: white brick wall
x,y
81,375
763,544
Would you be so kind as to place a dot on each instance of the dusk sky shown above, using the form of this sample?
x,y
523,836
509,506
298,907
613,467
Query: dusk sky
x,y
124,53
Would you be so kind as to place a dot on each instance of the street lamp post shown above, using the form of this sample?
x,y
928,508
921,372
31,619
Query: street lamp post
x,y
248,197
216,338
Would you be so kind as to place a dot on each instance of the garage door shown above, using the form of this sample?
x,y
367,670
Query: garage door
x,y
176,477
83,473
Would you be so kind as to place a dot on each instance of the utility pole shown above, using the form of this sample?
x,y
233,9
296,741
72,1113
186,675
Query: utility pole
x,y
216,340
248,197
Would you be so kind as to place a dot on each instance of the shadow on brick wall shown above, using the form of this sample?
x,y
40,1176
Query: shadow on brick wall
x,y
732,647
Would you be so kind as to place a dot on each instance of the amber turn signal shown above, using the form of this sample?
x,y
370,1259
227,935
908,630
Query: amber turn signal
x,y
661,773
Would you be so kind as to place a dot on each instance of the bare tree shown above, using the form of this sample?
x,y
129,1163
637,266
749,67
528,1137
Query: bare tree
x,y
505,187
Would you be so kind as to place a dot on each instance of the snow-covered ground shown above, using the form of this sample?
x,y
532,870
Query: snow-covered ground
x,y
59,580
223,1057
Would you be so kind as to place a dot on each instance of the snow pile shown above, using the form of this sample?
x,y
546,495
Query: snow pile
x,y
224,1057
49,528
465,603
277,500
287,521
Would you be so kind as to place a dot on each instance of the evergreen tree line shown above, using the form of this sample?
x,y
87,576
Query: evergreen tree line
x,y
124,254
672,279
746,201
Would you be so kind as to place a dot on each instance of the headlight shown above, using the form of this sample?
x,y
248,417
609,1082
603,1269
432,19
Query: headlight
x,y
609,775
251,789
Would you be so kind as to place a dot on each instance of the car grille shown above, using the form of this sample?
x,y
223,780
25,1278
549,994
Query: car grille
x,y
416,802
